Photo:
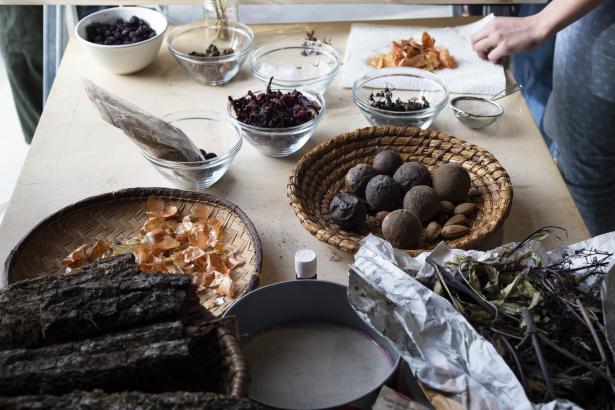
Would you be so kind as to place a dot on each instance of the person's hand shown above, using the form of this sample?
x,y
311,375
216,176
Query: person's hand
x,y
506,35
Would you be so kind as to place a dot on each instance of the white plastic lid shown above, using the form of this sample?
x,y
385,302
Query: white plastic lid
x,y
305,263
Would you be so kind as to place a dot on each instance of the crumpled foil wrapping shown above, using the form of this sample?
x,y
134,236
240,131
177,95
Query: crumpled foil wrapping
x,y
153,135
441,347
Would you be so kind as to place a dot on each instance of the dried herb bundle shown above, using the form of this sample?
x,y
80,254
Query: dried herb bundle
x,y
545,320
311,42
274,109
384,100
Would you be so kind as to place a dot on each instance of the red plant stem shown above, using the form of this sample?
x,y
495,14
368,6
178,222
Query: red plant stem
x,y
513,353
575,359
592,329
532,331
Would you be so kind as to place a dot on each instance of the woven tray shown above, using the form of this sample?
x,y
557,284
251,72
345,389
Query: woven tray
x,y
117,215
319,176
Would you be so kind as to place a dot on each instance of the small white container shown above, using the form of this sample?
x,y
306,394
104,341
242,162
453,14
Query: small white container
x,y
125,58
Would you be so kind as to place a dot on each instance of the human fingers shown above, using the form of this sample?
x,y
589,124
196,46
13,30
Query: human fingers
x,y
481,34
498,53
485,44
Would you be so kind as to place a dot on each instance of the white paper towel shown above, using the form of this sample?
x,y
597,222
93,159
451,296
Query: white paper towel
x,y
472,76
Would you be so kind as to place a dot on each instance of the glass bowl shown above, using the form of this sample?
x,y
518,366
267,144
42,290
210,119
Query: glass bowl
x,y
281,142
476,112
312,65
209,130
211,70
405,83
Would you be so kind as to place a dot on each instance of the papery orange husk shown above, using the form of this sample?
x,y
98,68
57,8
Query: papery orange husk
x,y
227,287
99,250
157,207
77,258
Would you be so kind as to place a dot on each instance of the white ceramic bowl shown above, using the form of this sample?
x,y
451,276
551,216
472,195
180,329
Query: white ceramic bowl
x,y
126,58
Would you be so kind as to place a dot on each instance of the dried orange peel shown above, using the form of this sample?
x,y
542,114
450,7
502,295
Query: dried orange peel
x,y
169,242
410,53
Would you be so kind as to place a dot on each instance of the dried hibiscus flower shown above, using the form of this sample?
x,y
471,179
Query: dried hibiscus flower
x,y
274,109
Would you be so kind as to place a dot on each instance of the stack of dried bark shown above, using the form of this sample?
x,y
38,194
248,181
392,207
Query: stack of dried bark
x,y
109,327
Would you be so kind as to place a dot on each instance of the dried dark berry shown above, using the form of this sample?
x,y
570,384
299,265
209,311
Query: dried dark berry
x,y
132,31
384,100
210,155
274,109
212,51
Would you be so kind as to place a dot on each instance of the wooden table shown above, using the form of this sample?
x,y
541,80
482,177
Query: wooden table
x,y
75,154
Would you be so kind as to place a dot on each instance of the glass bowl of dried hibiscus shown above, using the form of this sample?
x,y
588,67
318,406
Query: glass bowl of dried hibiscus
x,y
218,139
402,96
278,122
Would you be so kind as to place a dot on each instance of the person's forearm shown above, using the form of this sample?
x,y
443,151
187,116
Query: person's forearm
x,y
561,13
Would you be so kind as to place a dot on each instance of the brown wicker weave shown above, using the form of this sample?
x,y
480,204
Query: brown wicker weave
x,y
236,374
118,215
319,176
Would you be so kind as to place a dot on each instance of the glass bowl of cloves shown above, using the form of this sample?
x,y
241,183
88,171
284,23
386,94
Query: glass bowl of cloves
x,y
211,54
400,96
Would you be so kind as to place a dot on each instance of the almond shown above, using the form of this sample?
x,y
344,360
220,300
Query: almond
x,y
459,219
454,231
464,209
381,215
432,231
446,207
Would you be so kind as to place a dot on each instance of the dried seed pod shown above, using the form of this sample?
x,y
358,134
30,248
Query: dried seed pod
x,y
402,229
432,231
454,231
386,162
382,193
447,207
465,209
459,219
423,201
357,178
451,182
347,210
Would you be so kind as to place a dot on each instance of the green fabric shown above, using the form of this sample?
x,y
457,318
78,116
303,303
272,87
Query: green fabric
x,y
21,44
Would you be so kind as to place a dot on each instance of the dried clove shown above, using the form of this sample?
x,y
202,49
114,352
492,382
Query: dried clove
x,y
383,100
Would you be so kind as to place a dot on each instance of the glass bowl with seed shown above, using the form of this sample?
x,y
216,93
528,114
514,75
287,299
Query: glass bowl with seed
x,y
211,54
219,139
278,141
400,96
312,64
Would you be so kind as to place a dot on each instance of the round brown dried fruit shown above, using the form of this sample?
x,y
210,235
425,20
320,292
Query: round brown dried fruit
x,y
411,174
347,210
386,162
402,229
422,201
382,193
454,231
451,182
357,178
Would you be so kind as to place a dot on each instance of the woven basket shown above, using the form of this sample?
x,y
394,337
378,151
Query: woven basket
x,y
118,215
319,176
236,376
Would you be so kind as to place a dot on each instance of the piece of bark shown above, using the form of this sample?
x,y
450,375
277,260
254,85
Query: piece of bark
x,y
108,295
98,399
167,356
